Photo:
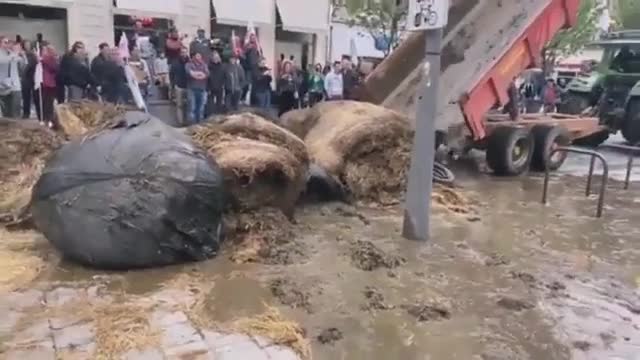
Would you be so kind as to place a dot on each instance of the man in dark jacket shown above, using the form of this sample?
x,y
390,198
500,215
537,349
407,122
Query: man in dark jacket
x,y
201,45
349,78
114,79
179,79
216,85
77,74
99,62
235,81
27,79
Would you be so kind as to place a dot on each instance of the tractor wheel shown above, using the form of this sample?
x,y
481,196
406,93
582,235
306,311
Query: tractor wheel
x,y
575,103
631,125
546,138
509,150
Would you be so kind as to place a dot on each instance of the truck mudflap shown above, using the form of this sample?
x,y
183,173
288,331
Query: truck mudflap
x,y
490,88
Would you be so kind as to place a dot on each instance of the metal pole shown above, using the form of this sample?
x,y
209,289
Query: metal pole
x,y
417,213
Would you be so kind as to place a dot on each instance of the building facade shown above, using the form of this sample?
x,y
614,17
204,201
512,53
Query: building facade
x,y
296,28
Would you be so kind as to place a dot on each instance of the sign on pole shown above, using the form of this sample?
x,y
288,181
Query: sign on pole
x,y
429,16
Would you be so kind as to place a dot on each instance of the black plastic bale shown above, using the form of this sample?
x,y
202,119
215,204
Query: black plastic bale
x,y
133,196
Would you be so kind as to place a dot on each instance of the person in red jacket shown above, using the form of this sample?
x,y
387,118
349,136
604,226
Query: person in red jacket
x,y
50,68
550,96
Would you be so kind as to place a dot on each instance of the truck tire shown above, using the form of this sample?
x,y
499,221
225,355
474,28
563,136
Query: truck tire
x,y
575,103
546,138
509,150
631,125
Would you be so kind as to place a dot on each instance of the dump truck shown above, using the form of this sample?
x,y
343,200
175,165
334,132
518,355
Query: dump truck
x,y
487,44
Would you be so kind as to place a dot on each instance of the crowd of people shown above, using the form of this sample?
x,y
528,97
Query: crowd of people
x,y
200,76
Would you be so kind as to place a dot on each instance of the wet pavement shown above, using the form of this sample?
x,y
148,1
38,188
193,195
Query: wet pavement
x,y
512,279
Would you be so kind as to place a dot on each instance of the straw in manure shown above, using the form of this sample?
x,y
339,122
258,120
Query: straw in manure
x,y
21,260
273,326
262,236
366,146
452,199
24,148
263,165
77,118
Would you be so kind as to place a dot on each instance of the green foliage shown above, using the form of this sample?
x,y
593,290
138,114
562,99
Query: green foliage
x,y
629,16
379,17
571,40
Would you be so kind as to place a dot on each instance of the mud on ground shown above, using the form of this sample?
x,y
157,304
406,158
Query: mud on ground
x,y
524,281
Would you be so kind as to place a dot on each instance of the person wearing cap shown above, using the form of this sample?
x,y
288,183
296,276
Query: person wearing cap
x,y
201,45
262,85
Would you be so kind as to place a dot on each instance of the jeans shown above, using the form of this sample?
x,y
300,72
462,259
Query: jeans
x,y
263,99
197,103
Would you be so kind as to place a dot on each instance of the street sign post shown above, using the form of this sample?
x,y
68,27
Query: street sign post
x,y
430,16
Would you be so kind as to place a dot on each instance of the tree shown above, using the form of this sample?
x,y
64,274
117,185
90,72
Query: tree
x,y
571,40
382,18
629,14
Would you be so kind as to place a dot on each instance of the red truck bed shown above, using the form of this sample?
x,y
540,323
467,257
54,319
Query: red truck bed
x,y
525,51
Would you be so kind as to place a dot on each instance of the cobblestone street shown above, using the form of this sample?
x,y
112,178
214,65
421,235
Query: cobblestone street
x,y
71,335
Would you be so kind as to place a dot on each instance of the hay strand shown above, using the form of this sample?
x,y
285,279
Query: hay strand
x,y
272,325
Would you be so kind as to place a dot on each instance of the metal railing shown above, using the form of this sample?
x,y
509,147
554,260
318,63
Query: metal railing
x,y
594,155
631,151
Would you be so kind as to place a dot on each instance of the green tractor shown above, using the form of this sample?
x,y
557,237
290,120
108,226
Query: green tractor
x,y
612,90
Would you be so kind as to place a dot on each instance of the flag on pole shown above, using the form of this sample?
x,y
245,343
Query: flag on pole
x,y
236,46
251,32
123,46
38,75
353,52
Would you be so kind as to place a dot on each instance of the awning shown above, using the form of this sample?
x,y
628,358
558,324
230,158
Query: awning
x,y
150,6
241,13
306,16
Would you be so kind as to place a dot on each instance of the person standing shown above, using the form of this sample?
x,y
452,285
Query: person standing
x,y
333,83
349,79
27,78
287,88
76,73
10,87
179,79
216,85
262,85
50,69
235,80
201,45
315,84
550,96
115,89
198,75
98,64
172,46
252,56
